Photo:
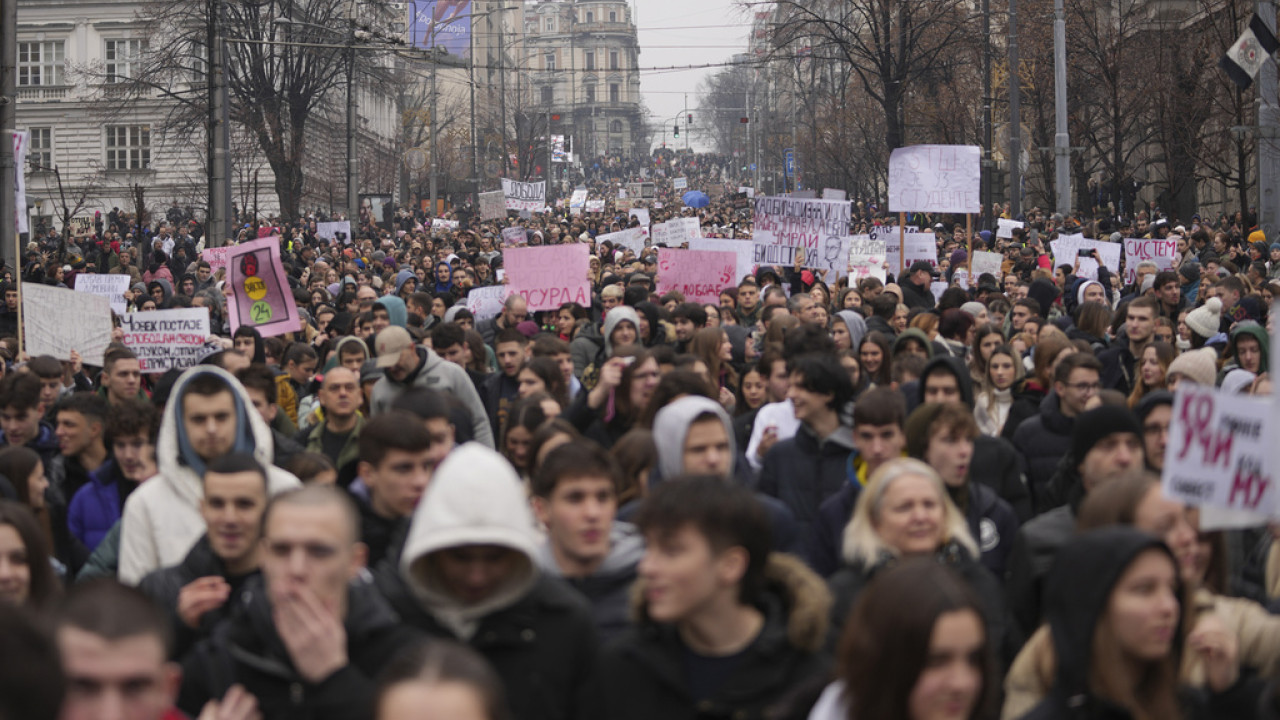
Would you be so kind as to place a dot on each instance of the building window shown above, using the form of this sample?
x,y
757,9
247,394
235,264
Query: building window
x,y
550,61
591,17
591,60
614,92
548,94
128,147
551,24
613,60
615,126
122,58
591,93
40,151
40,63
613,17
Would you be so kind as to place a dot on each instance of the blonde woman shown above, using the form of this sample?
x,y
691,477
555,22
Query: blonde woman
x,y
904,511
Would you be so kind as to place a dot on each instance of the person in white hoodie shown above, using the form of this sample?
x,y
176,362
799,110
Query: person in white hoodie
x,y
468,572
208,415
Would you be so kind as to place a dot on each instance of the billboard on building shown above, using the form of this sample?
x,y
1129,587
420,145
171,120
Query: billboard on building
x,y
444,24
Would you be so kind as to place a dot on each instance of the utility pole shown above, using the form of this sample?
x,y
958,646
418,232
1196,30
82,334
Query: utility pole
x,y
1268,129
218,227
471,81
8,124
1015,115
353,162
434,150
502,84
1062,137
987,166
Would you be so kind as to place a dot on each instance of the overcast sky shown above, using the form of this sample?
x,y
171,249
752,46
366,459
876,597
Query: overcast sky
x,y
684,32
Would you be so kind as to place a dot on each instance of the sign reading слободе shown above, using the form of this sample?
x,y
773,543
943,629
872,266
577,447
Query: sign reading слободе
x,y
166,339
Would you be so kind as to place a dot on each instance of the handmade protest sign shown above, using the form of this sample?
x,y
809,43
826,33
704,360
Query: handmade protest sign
x,y
578,201
493,205
486,302
340,231
938,287
866,259
1161,252
216,257
936,178
111,287
1005,228
595,206
260,295
166,339
743,250
834,194
1221,451
531,196
831,260
920,246
699,275
641,214
1067,247
987,262
799,222
679,183
57,321
674,233
631,238
514,237
770,254
549,276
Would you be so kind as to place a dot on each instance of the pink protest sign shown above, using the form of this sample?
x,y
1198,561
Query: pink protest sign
x,y
699,275
216,257
549,276
260,295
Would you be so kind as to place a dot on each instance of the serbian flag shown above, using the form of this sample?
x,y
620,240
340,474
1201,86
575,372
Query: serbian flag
x,y
1246,56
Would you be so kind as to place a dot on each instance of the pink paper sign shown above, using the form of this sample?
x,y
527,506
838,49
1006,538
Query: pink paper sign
x,y
260,295
699,275
550,275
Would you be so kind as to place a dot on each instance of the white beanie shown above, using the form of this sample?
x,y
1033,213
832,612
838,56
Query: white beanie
x,y
1205,319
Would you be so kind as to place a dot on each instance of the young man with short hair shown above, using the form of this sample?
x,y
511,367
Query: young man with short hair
x,y
878,420
114,645
395,466
196,591
121,375
688,318
80,430
1119,364
96,508
748,309
311,634
549,346
449,340
263,390
575,497
294,383
715,636
20,423
1044,438
501,388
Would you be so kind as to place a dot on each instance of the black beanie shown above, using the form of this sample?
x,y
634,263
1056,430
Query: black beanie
x,y
1091,427
1151,401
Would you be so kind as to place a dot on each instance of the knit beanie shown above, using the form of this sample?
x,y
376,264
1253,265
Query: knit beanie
x,y
1190,271
1092,427
1198,366
1204,320
973,308
1257,236
916,428
1151,401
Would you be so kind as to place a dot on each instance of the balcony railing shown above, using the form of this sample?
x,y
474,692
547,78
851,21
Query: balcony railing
x,y
42,92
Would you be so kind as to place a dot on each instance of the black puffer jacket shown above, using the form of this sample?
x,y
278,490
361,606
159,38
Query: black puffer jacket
x,y
643,676
165,585
246,650
802,472
1043,440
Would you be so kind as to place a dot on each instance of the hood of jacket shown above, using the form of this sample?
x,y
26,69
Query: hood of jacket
x,y
915,333
1044,292
671,426
1077,591
795,601
615,316
402,277
440,287
626,547
1257,332
178,462
957,368
165,286
857,327
396,310
344,341
450,515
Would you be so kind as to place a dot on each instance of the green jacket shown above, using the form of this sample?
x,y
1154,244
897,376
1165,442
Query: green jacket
x,y
350,451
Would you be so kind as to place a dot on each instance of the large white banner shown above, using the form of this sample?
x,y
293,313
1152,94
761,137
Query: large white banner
x,y
493,205
799,222
936,179
531,196
57,321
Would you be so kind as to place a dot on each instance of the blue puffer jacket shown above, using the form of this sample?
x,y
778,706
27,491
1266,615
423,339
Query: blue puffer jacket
x,y
96,506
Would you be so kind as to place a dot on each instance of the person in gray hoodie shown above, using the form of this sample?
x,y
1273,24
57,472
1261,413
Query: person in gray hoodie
x,y
694,437
468,573
575,496
408,365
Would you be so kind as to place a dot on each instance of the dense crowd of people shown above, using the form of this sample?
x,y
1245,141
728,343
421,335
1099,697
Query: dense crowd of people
x,y
813,498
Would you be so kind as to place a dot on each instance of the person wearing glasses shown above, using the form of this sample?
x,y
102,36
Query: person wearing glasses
x,y
1044,438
